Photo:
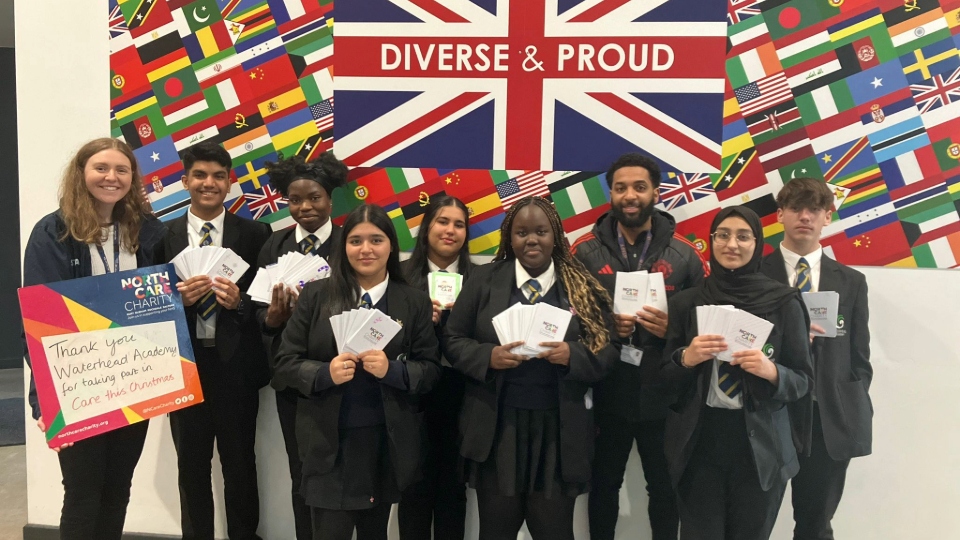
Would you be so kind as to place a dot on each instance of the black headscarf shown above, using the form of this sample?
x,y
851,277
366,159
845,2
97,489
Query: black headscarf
x,y
745,287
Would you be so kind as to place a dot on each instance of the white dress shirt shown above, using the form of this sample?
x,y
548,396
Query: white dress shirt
x,y
128,259
790,260
453,268
322,234
546,279
377,291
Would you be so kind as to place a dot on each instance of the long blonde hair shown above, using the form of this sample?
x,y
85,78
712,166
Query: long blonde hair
x,y
78,205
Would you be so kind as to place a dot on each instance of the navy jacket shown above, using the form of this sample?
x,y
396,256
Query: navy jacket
x,y
48,258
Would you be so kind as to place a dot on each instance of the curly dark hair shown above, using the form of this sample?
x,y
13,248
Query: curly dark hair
x,y
326,170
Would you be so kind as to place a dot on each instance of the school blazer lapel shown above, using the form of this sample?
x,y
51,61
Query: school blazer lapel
x,y
231,231
503,280
776,268
178,239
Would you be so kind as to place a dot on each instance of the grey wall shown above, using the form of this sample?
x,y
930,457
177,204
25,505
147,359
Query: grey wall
x,y
10,345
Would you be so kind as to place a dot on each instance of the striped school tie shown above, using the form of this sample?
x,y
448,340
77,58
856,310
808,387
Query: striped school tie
x,y
208,302
366,302
729,379
532,289
803,275
308,246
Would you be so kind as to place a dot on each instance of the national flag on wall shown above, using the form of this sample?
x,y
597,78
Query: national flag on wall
x,y
527,184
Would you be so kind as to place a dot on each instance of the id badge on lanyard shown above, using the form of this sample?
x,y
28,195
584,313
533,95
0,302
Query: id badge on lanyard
x,y
116,252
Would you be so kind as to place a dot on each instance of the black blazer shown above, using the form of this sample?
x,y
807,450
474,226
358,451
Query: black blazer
x,y
238,337
841,365
764,405
281,243
468,341
308,346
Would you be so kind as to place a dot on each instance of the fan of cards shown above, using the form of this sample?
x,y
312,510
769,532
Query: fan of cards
x,y
532,325
637,289
293,269
741,330
360,330
210,261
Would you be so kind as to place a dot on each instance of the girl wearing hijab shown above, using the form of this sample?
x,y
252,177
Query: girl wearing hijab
x,y
359,428
728,438
308,188
437,504
526,426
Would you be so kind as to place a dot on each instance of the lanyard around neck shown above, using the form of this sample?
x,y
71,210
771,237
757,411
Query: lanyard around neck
x,y
643,252
116,251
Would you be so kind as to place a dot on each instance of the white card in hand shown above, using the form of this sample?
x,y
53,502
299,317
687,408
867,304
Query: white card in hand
x,y
373,333
630,292
656,292
548,324
228,265
744,332
823,307
444,287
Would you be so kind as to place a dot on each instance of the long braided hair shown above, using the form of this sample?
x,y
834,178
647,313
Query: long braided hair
x,y
586,295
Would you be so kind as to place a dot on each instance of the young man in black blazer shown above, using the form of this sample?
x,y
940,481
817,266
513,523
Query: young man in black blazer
x,y
229,353
836,424
631,401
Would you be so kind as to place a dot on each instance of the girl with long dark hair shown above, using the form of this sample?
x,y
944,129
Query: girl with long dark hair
x,y
526,425
440,499
359,429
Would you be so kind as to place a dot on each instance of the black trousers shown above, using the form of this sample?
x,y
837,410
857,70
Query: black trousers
x,y
96,483
615,438
817,488
287,411
371,524
719,495
501,517
440,497
227,417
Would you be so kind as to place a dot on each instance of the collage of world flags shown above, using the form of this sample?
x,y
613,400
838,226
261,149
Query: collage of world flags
x,y
860,93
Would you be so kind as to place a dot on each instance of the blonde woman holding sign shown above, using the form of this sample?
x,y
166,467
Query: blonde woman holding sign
x,y
102,226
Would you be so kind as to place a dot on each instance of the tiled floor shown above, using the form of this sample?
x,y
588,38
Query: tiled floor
x,y
13,468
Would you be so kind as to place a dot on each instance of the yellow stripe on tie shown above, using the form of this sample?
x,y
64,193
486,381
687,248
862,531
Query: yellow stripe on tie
x,y
723,378
295,135
859,27
172,67
732,388
282,102
136,107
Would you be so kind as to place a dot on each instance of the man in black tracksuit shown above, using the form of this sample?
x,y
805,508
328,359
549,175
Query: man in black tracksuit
x,y
631,404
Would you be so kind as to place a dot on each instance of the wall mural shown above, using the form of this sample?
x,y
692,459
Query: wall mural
x,y
486,99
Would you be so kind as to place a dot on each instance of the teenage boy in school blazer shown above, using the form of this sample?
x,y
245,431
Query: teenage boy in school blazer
x,y
836,424
230,355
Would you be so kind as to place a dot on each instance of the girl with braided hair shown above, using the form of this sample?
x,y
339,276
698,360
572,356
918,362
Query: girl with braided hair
x,y
526,424
308,187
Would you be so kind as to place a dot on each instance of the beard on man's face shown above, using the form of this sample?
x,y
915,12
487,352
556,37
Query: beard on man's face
x,y
632,221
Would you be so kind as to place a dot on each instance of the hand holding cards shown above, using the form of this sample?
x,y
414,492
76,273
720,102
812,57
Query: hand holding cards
x,y
361,330
293,269
634,290
211,261
823,308
444,287
533,325
741,330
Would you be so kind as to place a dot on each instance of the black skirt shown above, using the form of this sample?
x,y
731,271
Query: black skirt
x,y
525,458
362,476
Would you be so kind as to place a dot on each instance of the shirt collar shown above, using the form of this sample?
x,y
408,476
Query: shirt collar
x,y
196,223
453,268
322,234
377,291
546,279
791,259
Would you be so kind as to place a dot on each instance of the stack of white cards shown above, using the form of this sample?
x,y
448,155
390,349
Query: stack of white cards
x,y
741,330
361,330
539,323
444,286
823,307
213,261
293,269
634,290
